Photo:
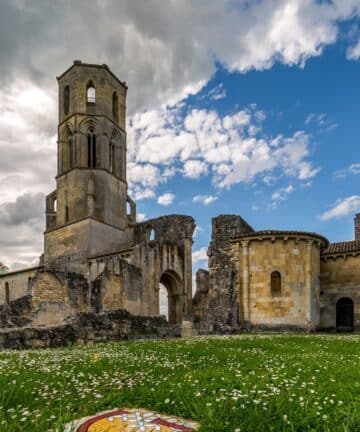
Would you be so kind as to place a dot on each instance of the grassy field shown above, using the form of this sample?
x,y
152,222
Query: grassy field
x,y
242,383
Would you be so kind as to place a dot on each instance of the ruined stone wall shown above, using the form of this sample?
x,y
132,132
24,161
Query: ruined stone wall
x,y
357,227
219,310
88,329
167,258
18,283
116,284
201,295
339,277
16,313
130,279
51,298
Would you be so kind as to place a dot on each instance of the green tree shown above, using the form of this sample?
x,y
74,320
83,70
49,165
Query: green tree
x,y
3,268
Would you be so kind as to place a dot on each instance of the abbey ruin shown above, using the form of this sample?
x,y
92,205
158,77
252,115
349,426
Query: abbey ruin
x,y
100,265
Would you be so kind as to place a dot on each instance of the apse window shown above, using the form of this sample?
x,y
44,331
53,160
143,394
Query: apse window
x,y
275,283
91,94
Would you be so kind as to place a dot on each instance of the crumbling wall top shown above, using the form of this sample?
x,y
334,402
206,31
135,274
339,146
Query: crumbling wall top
x,y
171,229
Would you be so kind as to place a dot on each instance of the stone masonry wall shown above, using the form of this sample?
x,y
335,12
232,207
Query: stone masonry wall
x,y
339,277
295,260
357,227
219,309
87,329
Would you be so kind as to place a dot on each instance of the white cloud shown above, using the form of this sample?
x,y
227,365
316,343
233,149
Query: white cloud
x,y
166,199
194,168
353,169
200,255
239,35
139,193
204,199
281,194
140,217
342,207
321,121
353,53
217,92
201,141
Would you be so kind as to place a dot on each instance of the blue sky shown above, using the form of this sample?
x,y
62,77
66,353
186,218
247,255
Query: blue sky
x,y
233,107
322,99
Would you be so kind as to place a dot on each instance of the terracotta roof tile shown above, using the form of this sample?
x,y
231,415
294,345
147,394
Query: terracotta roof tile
x,y
342,247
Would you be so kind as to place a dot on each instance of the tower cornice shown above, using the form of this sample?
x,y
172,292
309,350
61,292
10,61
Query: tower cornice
x,y
78,63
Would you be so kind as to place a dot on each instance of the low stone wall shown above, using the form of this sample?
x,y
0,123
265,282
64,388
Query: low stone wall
x,y
89,328
17,313
247,327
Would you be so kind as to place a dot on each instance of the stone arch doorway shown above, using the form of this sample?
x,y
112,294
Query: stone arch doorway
x,y
345,314
173,284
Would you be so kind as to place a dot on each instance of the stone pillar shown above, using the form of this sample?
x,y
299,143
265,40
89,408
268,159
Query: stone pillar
x,y
151,305
357,227
245,280
308,283
188,276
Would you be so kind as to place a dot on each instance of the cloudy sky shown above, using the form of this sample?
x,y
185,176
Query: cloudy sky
x,y
239,106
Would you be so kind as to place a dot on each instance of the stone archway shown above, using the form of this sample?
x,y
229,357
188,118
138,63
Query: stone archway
x,y
345,314
173,284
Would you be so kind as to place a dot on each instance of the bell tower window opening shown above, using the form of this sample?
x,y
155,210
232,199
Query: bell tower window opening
x,y
66,100
115,106
91,93
91,139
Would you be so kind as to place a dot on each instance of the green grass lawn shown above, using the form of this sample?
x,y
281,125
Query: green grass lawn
x,y
239,383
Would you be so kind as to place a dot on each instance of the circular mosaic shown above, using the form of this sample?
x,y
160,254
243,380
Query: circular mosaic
x,y
132,420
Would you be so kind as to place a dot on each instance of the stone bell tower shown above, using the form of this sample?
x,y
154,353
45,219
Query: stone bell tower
x,y
88,214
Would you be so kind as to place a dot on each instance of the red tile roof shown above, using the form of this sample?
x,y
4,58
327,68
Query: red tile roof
x,y
342,248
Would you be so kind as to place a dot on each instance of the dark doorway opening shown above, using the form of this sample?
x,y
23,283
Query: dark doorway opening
x,y
345,314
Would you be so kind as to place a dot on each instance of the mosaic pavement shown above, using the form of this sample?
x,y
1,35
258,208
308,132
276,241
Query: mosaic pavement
x,y
131,420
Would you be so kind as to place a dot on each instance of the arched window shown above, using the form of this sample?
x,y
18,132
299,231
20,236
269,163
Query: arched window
x,y
91,138
66,214
152,235
90,93
275,283
7,293
66,100
115,106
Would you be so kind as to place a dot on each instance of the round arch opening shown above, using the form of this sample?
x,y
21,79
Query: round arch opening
x,y
170,285
345,314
